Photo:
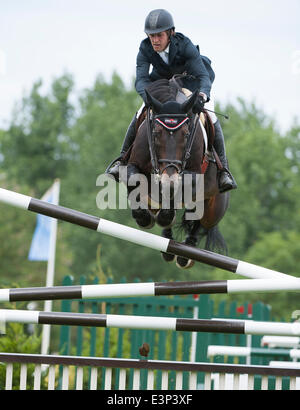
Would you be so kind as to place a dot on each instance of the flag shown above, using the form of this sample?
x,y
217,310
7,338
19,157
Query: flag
x,y
40,245
43,249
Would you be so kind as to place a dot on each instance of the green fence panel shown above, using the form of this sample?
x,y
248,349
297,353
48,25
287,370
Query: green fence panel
x,y
80,329
232,339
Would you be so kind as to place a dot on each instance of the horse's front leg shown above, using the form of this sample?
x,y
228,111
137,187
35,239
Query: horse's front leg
x,y
137,197
166,218
144,218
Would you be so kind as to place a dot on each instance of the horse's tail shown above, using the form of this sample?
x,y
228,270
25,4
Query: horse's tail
x,y
215,241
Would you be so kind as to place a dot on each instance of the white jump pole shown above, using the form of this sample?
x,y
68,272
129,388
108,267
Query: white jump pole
x,y
154,323
139,237
147,289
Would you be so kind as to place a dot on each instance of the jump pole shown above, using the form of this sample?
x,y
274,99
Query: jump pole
x,y
241,351
147,289
148,322
139,237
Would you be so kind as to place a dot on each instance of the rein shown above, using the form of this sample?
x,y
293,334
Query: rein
x,y
153,156
187,153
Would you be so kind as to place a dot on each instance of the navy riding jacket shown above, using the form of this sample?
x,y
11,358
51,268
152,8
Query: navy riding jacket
x,y
184,56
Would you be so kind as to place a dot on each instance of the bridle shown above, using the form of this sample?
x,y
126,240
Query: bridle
x,y
171,122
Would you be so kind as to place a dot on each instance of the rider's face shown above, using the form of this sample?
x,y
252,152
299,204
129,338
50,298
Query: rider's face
x,y
159,41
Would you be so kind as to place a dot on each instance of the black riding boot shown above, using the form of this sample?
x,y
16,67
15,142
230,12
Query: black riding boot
x,y
226,180
113,168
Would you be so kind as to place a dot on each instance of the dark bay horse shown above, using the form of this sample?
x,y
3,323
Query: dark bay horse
x,y
170,144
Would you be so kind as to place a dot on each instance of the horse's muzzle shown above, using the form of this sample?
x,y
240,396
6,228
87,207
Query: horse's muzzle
x,y
171,163
170,185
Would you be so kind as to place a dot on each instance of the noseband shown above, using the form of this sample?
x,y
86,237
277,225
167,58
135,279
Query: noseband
x,y
171,122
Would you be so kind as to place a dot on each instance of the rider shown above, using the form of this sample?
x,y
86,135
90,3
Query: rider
x,y
173,53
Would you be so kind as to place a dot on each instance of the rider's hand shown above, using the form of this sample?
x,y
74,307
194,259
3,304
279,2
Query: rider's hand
x,y
199,105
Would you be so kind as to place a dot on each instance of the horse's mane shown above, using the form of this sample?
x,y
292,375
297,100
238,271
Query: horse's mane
x,y
163,90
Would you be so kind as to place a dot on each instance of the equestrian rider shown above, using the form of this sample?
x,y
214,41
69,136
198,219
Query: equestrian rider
x,y
173,53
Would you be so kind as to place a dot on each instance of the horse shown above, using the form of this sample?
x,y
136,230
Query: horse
x,y
169,145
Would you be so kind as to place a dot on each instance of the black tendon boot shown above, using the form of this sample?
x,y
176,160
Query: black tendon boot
x,y
113,168
225,180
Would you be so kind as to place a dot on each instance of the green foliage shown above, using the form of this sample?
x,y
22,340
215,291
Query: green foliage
x,y
279,250
17,340
36,147
266,199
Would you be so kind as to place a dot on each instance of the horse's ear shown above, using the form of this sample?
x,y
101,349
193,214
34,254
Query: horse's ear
x,y
188,105
153,102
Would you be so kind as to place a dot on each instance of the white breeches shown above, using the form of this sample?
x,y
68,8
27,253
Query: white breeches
x,y
210,105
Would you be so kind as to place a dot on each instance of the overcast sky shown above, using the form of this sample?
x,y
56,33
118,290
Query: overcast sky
x,y
254,46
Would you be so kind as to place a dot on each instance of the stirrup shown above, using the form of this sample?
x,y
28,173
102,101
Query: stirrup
x,y
113,168
112,163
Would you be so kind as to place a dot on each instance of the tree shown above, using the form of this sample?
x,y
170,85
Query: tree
x,y
36,147
267,196
280,251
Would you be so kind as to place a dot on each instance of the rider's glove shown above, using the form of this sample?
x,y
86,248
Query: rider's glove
x,y
199,104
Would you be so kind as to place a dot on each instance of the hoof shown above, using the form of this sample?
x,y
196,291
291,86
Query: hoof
x,y
168,257
166,218
143,218
184,263
150,226
146,224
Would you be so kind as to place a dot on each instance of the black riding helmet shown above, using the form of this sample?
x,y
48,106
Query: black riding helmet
x,y
158,20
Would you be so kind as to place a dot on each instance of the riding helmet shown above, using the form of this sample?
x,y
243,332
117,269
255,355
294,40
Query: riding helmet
x,y
157,21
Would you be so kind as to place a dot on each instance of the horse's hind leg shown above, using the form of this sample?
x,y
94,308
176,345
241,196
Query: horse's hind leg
x,y
168,257
214,210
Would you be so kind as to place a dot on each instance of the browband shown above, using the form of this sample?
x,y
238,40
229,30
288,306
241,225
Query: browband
x,y
171,123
